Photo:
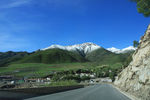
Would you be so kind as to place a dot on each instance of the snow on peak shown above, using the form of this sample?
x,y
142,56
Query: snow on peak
x,y
125,50
129,48
85,47
113,49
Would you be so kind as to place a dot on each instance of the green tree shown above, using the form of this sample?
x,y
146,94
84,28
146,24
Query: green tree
x,y
135,43
143,6
112,76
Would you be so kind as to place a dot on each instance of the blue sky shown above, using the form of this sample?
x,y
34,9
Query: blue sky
x,y
28,25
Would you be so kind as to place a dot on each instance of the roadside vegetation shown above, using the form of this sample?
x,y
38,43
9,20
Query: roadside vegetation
x,y
87,74
63,83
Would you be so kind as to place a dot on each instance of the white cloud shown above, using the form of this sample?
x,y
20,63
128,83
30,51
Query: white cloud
x,y
15,3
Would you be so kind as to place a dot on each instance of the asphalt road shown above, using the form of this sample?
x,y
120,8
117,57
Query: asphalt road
x,y
96,92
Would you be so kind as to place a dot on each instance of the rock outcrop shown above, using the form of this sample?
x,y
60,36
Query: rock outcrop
x,y
136,77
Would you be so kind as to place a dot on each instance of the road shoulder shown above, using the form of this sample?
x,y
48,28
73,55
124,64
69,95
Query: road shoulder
x,y
125,93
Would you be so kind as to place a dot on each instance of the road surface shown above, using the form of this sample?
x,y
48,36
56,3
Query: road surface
x,y
96,92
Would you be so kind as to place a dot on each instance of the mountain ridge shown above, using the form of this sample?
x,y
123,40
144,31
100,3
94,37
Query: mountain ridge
x,y
84,48
88,47
124,50
67,54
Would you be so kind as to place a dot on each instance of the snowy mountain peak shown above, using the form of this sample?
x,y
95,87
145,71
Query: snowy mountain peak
x,y
130,48
88,47
83,48
125,50
113,49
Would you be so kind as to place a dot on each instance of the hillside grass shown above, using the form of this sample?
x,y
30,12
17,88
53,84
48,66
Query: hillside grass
x,y
39,69
52,56
102,56
26,68
8,57
63,83
43,63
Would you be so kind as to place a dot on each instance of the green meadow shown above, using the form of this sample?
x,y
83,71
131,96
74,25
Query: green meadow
x,y
39,69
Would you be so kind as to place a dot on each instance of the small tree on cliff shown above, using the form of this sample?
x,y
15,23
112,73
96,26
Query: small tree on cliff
x,y
135,43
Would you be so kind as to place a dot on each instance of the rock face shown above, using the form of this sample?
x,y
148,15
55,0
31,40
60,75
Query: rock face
x,y
136,77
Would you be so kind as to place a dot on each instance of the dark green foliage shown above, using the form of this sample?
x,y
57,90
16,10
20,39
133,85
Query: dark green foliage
x,y
135,43
107,71
71,77
102,72
112,76
85,78
10,54
63,83
53,56
65,76
143,6
83,71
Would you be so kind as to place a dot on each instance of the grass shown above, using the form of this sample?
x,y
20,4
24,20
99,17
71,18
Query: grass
x,y
63,83
52,56
43,63
103,56
24,69
39,69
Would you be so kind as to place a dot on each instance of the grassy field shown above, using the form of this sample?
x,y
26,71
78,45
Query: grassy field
x,y
40,70
63,83
43,63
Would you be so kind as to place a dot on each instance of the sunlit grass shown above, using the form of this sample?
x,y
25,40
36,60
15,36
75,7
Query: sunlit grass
x,y
63,83
38,69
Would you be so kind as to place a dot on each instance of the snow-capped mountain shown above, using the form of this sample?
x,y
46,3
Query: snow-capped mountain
x,y
125,50
88,47
83,48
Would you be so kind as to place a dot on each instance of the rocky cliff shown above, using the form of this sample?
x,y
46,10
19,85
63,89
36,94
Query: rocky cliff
x,y
136,77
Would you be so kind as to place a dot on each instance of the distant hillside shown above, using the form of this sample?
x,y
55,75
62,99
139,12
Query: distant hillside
x,y
86,52
103,56
8,57
52,56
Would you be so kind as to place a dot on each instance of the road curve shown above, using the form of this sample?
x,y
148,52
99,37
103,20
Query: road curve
x,y
96,92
